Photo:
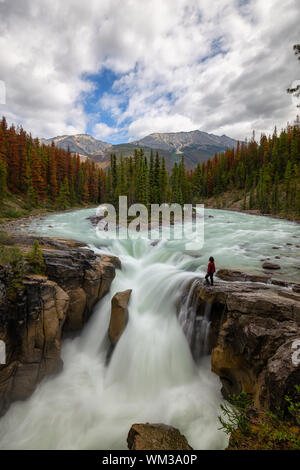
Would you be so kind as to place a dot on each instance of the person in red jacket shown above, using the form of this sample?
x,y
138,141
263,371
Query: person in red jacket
x,y
210,271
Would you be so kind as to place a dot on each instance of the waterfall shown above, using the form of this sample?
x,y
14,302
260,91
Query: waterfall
x,y
151,375
202,330
196,326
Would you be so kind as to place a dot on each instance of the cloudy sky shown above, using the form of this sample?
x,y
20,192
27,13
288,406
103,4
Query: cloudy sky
x,y
121,69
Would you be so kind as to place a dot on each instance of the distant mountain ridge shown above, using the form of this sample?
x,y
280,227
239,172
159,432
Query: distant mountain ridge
x,y
84,144
196,146
177,141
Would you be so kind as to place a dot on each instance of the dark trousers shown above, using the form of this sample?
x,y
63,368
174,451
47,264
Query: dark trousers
x,y
211,276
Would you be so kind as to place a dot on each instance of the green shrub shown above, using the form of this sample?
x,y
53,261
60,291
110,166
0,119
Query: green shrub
x,y
10,255
5,239
234,413
294,405
12,258
35,259
261,429
12,213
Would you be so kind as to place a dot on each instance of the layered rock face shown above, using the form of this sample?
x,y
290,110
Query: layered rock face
x,y
253,329
32,333
85,277
156,437
44,306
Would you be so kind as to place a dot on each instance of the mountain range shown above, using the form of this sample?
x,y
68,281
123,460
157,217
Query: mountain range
x,y
196,146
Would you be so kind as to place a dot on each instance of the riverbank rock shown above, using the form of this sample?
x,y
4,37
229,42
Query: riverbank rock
x,y
35,311
252,329
270,266
231,275
100,222
296,288
95,219
156,437
281,374
84,276
31,332
119,315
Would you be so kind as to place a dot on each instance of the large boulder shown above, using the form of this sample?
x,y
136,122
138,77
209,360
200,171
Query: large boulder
x,y
156,437
268,265
119,315
232,275
95,219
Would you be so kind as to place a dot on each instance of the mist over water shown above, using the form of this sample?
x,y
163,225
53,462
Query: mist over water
x,y
151,376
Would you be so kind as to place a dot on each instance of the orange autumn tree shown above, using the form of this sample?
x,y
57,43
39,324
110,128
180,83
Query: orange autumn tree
x,y
38,172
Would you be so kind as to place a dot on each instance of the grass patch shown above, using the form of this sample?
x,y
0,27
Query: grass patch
x,y
12,213
5,239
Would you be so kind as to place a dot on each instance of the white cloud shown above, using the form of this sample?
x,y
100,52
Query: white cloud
x,y
218,66
2,92
112,103
102,131
152,122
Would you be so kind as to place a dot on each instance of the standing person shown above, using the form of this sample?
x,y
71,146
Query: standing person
x,y
210,271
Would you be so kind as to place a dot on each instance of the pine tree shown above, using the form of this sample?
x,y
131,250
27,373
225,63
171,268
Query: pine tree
x,y
244,203
156,181
31,197
85,193
53,174
182,181
142,182
152,190
64,195
163,184
251,198
275,197
122,179
73,198
114,177
295,90
3,175
287,186
25,172
197,183
38,181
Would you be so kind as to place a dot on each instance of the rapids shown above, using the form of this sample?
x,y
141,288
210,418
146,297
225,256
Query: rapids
x,y
151,376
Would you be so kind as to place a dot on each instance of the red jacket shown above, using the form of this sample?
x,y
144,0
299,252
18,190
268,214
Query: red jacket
x,y
211,268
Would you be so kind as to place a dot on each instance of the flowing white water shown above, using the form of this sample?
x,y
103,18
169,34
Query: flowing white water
x,y
151,376
196,327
